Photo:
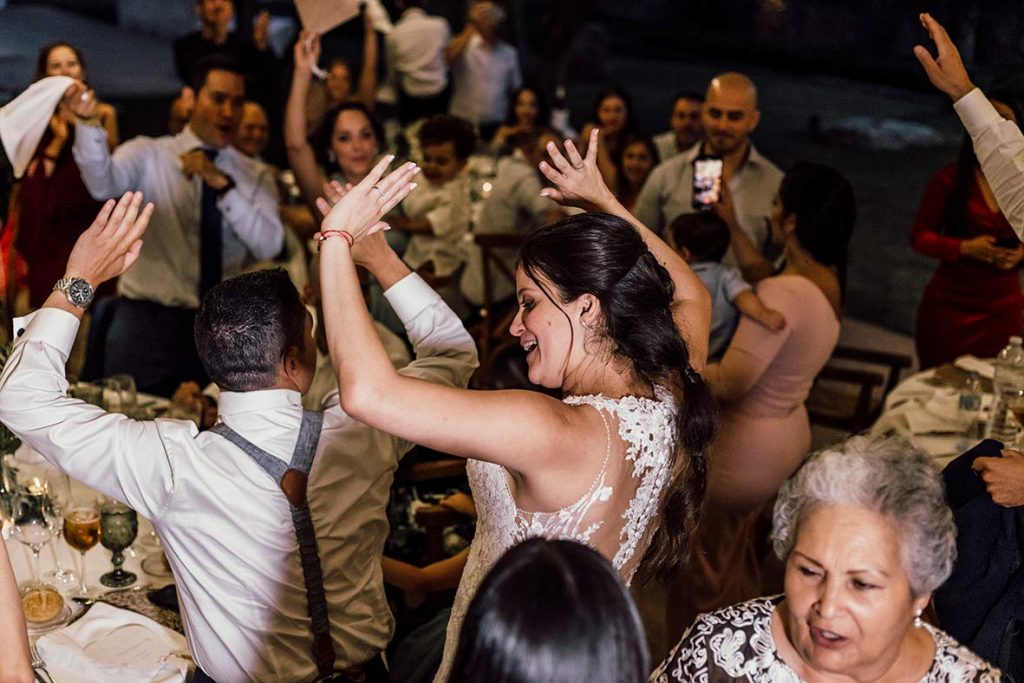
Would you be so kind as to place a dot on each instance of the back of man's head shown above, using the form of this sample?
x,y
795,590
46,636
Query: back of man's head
x,y
246,325
704,234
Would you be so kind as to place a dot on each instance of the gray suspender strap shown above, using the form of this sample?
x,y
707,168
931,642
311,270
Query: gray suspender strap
x,y
292,479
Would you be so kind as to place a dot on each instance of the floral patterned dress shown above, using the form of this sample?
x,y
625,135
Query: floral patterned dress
x,y
736,644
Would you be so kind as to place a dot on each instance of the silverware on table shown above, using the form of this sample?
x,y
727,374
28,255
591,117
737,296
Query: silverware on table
x,y
38,665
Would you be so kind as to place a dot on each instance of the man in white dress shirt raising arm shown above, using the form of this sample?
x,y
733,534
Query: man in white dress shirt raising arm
x,y
216,212
998,143
226,526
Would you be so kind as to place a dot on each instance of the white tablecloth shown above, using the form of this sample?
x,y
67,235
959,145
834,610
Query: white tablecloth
x,y
925,413
97,561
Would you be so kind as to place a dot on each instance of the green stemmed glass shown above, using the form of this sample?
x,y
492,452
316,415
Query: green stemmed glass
x,y
118,527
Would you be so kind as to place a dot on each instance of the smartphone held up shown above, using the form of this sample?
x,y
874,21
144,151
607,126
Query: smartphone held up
x,y
707,181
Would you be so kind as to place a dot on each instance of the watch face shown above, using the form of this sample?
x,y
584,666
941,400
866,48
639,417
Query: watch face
x,y
80,293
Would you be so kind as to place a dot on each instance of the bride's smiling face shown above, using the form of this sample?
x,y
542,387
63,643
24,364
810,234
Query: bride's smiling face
x,y
544,330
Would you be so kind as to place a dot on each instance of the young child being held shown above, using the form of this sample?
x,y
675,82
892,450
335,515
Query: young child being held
x,y
437,212
702,240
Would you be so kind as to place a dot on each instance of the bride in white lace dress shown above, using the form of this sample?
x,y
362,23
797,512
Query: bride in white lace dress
x,y
609,314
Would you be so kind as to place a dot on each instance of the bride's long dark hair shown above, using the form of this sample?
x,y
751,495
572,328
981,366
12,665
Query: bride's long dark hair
x,y
603,255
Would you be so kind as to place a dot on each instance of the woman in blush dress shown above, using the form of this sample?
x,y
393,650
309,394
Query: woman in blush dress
x,y
762,382
610,315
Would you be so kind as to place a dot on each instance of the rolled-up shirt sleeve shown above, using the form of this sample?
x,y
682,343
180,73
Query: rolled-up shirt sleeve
x,y
999,146
122,458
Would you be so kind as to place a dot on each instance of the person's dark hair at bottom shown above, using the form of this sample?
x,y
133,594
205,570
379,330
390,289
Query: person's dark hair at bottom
x,y
246,325
551,612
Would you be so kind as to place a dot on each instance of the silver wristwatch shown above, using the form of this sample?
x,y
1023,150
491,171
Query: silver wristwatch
x,y
78,291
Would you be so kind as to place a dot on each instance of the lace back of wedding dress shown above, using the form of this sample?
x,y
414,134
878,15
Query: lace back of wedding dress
x,y
616,519
613,516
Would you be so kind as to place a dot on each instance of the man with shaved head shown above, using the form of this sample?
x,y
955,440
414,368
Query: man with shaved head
x,y
729,116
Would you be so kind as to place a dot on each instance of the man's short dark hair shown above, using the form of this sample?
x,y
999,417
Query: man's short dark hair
x,y
442,128
705,234
246,325
200,71
691,95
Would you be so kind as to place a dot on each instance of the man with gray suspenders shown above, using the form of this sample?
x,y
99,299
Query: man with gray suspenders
x,y
273,522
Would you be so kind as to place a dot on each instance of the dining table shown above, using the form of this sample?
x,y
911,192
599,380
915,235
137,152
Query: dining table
x,y
927,408
111,634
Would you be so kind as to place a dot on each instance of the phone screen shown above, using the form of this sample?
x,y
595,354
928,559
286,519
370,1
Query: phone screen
x,y
707,181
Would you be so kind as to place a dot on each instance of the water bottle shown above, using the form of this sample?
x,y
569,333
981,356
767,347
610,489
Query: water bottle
x,y
1008,384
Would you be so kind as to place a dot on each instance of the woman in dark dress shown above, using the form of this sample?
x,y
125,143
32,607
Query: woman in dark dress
x,y
54,207
972,305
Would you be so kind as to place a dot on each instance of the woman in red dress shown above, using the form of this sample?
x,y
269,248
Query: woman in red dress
x,y
53,206
973,302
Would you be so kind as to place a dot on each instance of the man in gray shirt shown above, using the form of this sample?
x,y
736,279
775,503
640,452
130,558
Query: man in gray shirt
x,y
729,117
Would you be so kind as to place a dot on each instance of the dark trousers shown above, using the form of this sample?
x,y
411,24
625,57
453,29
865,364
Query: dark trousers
x,y
153,343
374,671
411,109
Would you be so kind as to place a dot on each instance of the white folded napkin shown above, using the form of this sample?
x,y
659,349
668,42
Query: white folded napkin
x,y
973,364
24,119
113,644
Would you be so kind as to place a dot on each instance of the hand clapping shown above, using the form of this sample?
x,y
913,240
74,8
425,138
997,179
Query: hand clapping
x,y
359,210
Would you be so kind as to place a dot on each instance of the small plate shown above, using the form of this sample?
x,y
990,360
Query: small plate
x,y
38,629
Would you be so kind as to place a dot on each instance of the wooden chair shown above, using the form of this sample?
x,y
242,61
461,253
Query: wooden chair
x,y
849,393
491,333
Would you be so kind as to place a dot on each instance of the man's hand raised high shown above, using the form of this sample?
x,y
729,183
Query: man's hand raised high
x,y
946,70
112,243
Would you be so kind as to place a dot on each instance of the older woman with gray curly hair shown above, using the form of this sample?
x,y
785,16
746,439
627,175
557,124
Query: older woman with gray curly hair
x,y
866,536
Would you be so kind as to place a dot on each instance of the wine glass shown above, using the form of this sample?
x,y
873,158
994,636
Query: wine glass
x,y
82,531
33,526
118,528
59,494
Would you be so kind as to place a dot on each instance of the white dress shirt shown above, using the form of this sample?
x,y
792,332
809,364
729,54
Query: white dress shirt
x,y
167,271
666,145
415,52
483,78
225,525
999,146
668,193
514,207
448,209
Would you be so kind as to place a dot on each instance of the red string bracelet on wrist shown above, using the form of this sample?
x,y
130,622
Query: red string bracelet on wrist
x,y
322,237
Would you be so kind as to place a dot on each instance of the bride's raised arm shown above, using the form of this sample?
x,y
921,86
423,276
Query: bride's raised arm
x,y
524,431
579,182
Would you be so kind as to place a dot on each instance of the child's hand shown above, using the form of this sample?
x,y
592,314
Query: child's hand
x,y
773,320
